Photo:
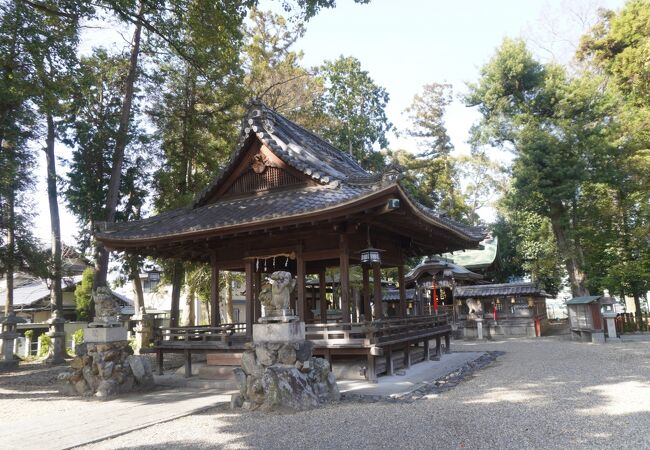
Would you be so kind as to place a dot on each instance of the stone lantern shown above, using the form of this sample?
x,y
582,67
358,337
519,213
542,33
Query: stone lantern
x,y
607,310
9,325
57,335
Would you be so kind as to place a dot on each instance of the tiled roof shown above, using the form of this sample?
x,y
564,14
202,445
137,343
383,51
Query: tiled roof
x,y
240,211
340,180
499,290
479,258
392,295
435,265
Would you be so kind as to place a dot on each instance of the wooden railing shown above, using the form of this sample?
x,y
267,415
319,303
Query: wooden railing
x,y
175,336
377,333
338,334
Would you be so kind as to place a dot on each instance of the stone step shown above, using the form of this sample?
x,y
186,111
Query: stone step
x,y
223,359
217,373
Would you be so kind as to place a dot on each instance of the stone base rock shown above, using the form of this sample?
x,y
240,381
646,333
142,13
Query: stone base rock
x,y
276,376
105,370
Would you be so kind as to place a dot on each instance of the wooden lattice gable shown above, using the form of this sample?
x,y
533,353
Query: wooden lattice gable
x,y
257,169
294,153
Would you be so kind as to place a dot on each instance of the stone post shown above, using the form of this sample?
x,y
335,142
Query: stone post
x,y
57,352
610,317
7,337
479,328
143,330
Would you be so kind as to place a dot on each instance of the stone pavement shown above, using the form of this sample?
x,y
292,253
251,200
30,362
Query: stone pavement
x,y
418,375
90,421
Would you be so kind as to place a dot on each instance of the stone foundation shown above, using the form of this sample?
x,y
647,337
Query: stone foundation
x,y
105,370
277,376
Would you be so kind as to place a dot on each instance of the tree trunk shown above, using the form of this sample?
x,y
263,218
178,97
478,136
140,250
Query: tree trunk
x,y
11,254
189,304
637,306
177,285
138,304
56,294
230,312
120,146
576,275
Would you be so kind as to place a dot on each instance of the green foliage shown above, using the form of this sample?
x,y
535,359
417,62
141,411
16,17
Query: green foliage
x,y
83,295
274,74
45,342
78,336
355,109
554,124
29,334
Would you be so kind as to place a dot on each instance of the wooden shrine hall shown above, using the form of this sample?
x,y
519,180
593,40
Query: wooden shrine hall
x,y
288,200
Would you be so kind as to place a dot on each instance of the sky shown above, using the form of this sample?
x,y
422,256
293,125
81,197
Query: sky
x,y
404,45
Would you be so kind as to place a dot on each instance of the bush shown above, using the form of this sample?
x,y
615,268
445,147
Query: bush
x,y
46,343
29,334
78,336
83,294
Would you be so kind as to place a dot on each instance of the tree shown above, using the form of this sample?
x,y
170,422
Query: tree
x,y
483,178
552,124
273,71
617,46
18,248
432,175
52,50
355,109
83,295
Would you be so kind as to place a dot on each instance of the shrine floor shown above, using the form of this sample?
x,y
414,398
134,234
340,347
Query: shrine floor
x,y
538,393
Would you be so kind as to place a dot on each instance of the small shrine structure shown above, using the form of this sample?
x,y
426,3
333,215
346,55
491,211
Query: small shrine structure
x,y
289,201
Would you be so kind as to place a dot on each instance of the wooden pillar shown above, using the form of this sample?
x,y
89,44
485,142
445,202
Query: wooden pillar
x,y
344,268
402,291
301,303
371,372
427,351
322,284
447,343
177,283
366,294
407,356
376,275
438,352
257,306
250,313
390,369
214,292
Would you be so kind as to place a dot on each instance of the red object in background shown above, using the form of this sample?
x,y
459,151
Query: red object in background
x,y
434,296
494,311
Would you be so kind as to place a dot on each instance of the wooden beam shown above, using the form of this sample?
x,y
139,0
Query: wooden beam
x,y
402,291
376,282
301,303
250,313
344,268
367,309
322,284
214,291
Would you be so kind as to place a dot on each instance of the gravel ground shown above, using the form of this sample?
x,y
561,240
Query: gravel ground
x,y
544,393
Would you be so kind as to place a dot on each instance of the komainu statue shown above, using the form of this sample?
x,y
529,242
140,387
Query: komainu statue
x,y
276,294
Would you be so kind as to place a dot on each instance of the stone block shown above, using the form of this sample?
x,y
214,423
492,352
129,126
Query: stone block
x,y
287,354
99,335
279,332
598,337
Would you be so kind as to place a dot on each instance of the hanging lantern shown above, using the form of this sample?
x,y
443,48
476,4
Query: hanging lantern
x,y
370,255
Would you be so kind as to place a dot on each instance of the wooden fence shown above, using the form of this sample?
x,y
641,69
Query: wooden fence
x,y
629,322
